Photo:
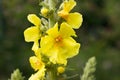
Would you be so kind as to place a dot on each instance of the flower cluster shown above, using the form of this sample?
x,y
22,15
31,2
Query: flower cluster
x,y
53,38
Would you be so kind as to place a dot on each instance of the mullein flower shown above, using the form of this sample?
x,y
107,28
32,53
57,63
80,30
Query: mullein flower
x,y
58,45
73,19
36,63
38,66
32,34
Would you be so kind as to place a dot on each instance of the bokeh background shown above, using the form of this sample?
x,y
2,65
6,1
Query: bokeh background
x,y
99,36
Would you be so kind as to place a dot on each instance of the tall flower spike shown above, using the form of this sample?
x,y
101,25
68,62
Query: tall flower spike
x,y
73,19
58,45
32,34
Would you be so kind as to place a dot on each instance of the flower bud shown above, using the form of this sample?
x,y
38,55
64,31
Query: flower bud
x,y
61,69
44,11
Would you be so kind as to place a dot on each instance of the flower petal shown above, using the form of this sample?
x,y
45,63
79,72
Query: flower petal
x,y
35,46
69,5
71,48
34,19
61,60
38,75
36,63
53,31
47,44
66,30
38,53
75,20
54,55
32,34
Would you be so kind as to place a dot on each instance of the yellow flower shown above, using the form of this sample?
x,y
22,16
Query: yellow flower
x,y
32,34
58,45
73,19
37,64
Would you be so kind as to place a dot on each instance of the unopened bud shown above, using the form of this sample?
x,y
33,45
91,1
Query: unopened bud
x,y
61,69
44,11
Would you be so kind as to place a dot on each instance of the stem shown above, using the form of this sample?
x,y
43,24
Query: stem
x,y
51,75
52,4
52,19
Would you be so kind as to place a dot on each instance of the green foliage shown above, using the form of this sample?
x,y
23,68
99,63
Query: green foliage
x,y
89,69
16,75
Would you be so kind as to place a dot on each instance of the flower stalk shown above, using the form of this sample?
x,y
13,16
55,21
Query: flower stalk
x,y
53,38
52,18
51,75
53,42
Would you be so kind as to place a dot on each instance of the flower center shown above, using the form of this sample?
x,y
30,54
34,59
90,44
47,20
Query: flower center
x,y
38,64
58,39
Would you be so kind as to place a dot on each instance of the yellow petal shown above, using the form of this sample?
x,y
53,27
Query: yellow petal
x,y
71,48
66,30
34,19
49,48
54,55
38,75
75,20
53,31
61,60
46,44
32,34
38,53
69,5
35,46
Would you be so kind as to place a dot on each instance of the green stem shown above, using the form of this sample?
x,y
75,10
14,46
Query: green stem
x,y
51,75
52,4
52,19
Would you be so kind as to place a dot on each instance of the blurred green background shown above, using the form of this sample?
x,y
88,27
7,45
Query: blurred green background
x,y
99,36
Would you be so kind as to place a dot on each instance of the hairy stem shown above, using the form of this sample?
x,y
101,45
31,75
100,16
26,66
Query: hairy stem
x,y
52,18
